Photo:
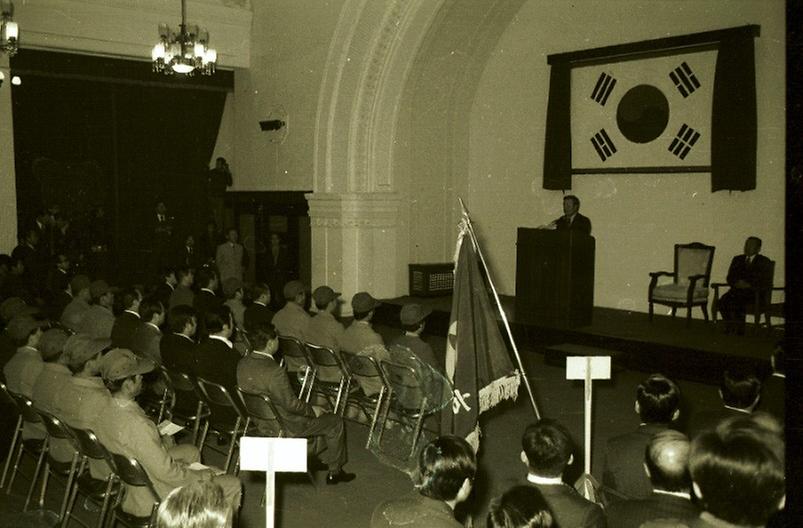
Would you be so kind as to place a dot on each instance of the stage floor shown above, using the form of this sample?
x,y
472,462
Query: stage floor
x,y
697,352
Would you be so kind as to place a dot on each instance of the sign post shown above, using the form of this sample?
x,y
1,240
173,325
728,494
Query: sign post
x,y
588,368
272,455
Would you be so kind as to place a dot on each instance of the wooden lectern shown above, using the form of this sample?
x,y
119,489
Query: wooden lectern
x,y
554,277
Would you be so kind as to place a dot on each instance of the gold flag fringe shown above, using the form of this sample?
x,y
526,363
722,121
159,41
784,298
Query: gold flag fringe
x,y
500,389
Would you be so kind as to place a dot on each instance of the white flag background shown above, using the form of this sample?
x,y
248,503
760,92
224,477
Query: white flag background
x,y
617,111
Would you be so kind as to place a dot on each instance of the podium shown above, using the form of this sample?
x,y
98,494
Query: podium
x,y
554,277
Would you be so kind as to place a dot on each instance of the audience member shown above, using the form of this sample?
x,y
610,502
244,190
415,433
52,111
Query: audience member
x,y
258,312
58,277
129,319
199,504
216,357
209,241
547,452
73,314
360,335
9,309
746,273
292,320
773,388
206,299
124,428
740,391
183,294
446,466
234,293
230,257
48,388
520,507
324,328
658,405
26,364
146,338
187,255
260,373
60,298
177,347
413,319
666,463
14,284
99,318
167,285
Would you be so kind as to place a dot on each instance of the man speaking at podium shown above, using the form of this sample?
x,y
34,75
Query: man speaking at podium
x,y
571,220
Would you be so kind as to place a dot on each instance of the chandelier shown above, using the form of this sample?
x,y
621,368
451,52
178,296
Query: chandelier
x,y
184,51
9,30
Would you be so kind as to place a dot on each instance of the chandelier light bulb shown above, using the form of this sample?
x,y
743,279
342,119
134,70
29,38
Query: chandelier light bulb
x,y
158,52
210,56
12,30
181,67
199,50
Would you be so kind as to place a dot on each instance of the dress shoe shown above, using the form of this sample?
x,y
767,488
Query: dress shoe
x,y
340,476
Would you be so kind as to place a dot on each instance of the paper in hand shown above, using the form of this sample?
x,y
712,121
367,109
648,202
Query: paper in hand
x,y
168,428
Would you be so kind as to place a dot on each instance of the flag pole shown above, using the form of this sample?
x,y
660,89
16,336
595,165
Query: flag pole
x,y
501,310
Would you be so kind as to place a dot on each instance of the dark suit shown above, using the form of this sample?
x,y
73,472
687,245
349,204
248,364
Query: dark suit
x,y
162,293
733,304
203,302
623,469
632,513
256,314
188,256
580,224
58,304
709,419
263,375
57,280
123,330
145,342
216,362
773,392
277,272
178,353
570,509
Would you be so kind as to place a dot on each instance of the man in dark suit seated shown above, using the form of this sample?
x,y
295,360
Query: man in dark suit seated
x,y
177,347
657,404
572,220
206,299
547,451
128,321
257,312
737,473
740,390
166,286
667,464
746,273
217,357
259,372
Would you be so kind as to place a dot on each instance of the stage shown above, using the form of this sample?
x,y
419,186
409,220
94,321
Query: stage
x,y
696,353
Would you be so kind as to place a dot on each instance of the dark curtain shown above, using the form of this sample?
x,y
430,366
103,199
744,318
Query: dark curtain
x,y
733,120
558,142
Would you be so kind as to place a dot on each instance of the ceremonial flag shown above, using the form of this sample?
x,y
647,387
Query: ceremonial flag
x,y
477,361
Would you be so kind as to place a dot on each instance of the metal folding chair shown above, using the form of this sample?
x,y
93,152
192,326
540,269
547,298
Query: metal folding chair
x,y
96,490
32,447
132,474
226,418
57,431
260,408
296,358
325,362
187,407
406,397
365,369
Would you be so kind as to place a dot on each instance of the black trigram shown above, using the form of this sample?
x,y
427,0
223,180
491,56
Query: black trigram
x,y
603,88
603,144
684,141
685,80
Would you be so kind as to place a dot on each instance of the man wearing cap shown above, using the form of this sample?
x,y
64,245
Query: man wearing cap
x,y
83,395
75,311
413,319
177,347
229,256
124,428
129,320
324,329
292,320
99,319
47,390
259,372
258,312
217,358
360,335
10,308
145,341
233,291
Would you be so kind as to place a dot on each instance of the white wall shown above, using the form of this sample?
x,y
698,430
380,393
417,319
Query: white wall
x,y
636,218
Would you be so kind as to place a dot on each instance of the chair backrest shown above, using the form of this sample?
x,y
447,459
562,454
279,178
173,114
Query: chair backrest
x,y
7,394
90,446
361,366
693,259
219,399
132,473
260,407
327,363
295,353
179,381
25,405
55,427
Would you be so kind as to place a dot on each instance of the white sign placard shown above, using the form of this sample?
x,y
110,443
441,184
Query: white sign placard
x,y
278,455
576,367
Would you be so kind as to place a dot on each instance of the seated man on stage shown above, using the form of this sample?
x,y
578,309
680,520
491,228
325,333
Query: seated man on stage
x,y
571,220
746,273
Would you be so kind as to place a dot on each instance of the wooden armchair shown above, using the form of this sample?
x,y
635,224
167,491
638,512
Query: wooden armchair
x,y
690,278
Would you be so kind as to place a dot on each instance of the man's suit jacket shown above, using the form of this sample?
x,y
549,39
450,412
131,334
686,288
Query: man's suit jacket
x,y
773,392
179,353
189,257
182,295
218,363
256,314
123,330
580,224
229,260
145,342
162,293
709,419
623,469
632,513
569,508
756,274
204,302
